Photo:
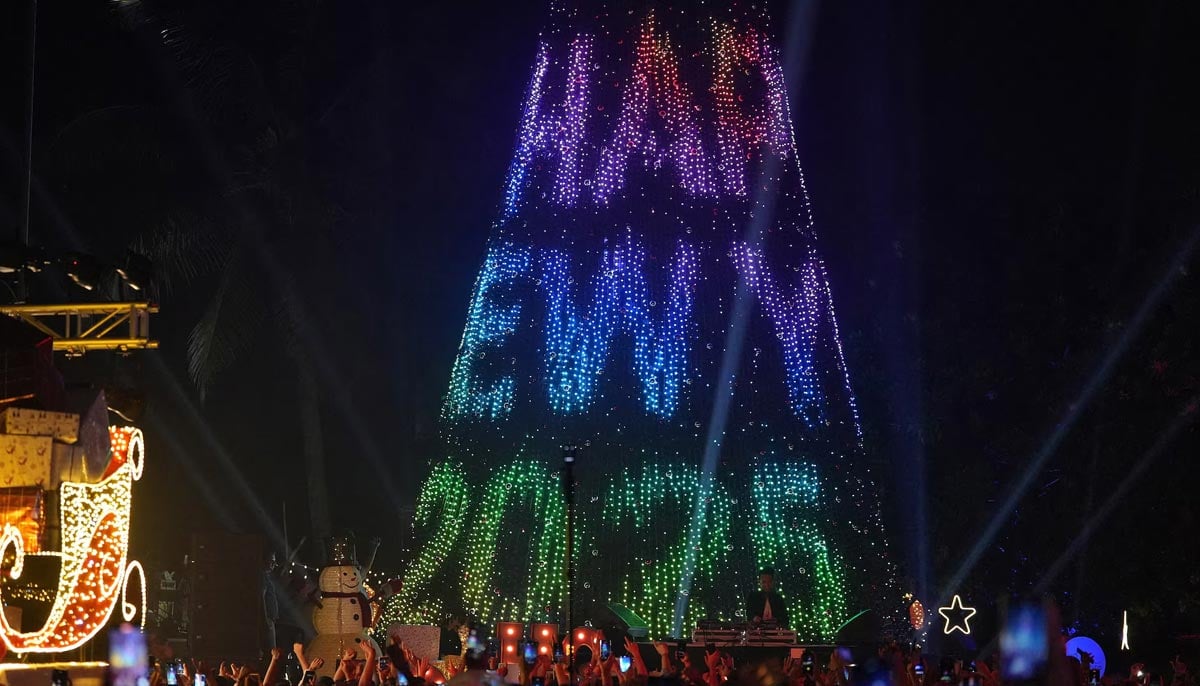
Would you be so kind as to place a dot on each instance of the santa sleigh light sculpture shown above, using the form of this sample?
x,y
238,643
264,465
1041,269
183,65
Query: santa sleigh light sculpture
x,y
95,571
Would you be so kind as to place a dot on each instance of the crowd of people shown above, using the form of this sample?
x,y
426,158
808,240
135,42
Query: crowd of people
x,y
890,665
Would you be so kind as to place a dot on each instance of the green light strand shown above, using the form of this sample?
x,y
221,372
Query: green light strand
x,y
786,497
642,502
444,498
526,482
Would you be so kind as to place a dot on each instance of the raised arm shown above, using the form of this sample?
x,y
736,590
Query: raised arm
x,y
271,676
368,673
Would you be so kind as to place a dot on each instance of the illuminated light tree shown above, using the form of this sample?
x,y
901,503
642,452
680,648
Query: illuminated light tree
x,y
650,138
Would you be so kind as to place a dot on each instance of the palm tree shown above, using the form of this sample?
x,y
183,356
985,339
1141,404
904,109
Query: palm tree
x,y
243,66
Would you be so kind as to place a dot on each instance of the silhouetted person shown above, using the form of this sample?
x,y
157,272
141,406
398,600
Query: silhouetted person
x,y
765,605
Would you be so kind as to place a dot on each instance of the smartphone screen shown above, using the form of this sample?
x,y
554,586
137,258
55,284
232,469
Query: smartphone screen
x,y
128,659
401,680
919,669
539,681
200,680
530,653
558,653
172,677
605,650
625,662
383,663
1024,644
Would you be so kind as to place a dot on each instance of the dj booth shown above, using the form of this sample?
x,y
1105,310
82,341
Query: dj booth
x,y
747,643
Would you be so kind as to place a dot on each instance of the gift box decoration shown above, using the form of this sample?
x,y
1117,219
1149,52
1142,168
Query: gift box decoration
x,y
26,461
62,426
25,509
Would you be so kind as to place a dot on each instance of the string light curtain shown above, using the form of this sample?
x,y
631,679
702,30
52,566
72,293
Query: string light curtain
x,y
651,136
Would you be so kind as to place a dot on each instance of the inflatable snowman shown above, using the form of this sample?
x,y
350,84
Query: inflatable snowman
x,y
344,613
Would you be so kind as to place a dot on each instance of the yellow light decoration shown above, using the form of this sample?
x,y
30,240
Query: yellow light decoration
x,y
957,616
95,543
12,536
128,609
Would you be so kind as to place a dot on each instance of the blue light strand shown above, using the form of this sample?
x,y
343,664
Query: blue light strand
x,y
794,315
488,323
531,132
577,343
574,123
661,361
840,360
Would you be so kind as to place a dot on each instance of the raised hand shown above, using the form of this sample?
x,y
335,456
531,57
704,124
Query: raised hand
x,y
712,660
420,664
276,653
316,664
726,668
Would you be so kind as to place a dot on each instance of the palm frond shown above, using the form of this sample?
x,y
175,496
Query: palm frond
x,y
184,248
233,318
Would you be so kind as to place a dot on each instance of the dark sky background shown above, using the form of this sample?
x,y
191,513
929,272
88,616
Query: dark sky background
x,y
997,189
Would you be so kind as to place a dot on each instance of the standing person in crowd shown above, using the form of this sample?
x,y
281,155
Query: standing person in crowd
x,y
270,604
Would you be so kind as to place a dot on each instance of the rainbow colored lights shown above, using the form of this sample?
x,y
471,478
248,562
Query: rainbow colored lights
x,y
651,139
648,508
661,120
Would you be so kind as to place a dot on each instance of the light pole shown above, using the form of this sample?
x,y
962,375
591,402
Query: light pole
x,y
568,482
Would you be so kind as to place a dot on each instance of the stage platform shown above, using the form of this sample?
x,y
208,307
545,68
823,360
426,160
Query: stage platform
x,y
743,653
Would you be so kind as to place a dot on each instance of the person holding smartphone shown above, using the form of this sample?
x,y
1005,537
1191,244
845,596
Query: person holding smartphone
x,y
476,662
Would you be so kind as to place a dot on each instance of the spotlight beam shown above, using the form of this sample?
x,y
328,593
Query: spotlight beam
x,y
803,13
1060,431
1185,416
237,480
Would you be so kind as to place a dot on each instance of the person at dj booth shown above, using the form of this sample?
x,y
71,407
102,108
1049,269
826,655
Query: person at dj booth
x,y
765,605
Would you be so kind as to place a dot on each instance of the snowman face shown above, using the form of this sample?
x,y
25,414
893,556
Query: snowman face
x,y
343,579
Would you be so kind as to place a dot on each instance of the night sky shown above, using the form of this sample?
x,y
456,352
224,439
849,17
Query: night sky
x,y
997,190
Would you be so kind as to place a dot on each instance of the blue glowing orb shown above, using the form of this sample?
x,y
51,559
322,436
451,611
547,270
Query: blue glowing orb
x,y
1089,646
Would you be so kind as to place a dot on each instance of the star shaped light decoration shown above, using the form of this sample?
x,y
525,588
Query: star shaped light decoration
x,y
957,616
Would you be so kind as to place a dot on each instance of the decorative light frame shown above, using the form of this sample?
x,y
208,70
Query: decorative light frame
x,y
94,570
957,604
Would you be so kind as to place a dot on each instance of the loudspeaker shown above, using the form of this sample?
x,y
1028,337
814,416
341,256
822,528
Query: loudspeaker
x,y
225,605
